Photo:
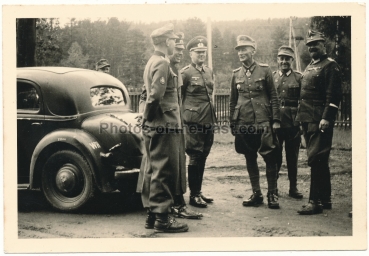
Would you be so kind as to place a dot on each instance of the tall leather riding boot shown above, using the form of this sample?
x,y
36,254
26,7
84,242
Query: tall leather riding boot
x,y
201,171
271,174
193,180
254,173
194,185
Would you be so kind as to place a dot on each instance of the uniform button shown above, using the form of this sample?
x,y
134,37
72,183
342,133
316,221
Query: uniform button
x,y
252,98
283,83
249,78
283,91
249,84
250,91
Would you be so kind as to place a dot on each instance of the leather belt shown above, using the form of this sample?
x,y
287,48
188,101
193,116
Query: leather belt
x,y
288,104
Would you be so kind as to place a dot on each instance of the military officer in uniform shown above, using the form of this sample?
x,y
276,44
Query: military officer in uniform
x,y
288,84
179,208
162,127
254,115
103,66
319,100
199,117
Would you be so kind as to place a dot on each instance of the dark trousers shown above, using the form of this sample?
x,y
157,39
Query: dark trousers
x,y
161,170
291,139
318,147
199,140
251,141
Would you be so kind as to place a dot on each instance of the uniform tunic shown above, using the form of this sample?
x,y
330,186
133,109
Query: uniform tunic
x,y
288,86
254,102
319,99
198,111
162,135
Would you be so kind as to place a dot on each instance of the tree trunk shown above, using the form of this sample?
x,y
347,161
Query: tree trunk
x,y
26,42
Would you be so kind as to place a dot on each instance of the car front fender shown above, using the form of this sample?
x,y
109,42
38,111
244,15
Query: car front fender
x,y
72,139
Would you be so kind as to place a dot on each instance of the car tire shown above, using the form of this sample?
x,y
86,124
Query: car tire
x,y
67,181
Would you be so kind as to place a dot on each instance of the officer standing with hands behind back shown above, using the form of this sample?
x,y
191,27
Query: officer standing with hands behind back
x,y
288,84
320,97
199,117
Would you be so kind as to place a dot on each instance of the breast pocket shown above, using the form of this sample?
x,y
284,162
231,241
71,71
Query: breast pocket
x,y
259,84
194,86
293,90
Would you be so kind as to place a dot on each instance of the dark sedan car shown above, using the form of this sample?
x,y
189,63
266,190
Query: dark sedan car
x,y
76,135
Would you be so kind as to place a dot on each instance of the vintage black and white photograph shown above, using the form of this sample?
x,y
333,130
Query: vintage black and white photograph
x,y
187,121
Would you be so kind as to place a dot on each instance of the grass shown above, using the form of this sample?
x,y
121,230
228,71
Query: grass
x,y
342,138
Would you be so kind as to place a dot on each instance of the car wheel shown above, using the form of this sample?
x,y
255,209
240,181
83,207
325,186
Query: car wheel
x,y
67,180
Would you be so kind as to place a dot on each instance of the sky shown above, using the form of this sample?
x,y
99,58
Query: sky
x,y
216,12
138,11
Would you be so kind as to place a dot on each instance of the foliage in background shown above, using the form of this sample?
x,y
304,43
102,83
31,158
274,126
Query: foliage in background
x,y
127,46
75,57
337,30
48,50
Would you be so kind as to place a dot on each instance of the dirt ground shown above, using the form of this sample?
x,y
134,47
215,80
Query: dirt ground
x,y
226,179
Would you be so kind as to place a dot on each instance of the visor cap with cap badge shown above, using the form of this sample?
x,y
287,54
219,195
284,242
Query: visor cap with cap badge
x,y
161,34
243,40
179,40
286,51
102,64
198,43
313,36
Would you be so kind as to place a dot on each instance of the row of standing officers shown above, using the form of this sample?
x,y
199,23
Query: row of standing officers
x,y
267,110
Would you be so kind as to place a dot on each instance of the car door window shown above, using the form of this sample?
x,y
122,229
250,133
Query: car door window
x,y
105,95
28,99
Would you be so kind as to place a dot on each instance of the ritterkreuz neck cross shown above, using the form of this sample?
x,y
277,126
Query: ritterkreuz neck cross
x,y
248,73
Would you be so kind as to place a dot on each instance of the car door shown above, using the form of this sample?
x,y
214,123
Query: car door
x,y
30,125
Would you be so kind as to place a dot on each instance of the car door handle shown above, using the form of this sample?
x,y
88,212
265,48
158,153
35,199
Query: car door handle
x,y
37,123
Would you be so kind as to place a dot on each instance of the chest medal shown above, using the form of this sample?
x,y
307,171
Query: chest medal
x,y
248,73
238,86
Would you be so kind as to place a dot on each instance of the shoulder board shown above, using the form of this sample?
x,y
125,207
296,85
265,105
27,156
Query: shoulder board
x,y
263,65
186,67
330,59
297,72
237,69
274,72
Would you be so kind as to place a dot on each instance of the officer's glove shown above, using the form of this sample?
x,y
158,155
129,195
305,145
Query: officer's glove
x,y
324,124
276,125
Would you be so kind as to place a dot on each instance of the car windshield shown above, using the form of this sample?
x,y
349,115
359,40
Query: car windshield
x,y
105,95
